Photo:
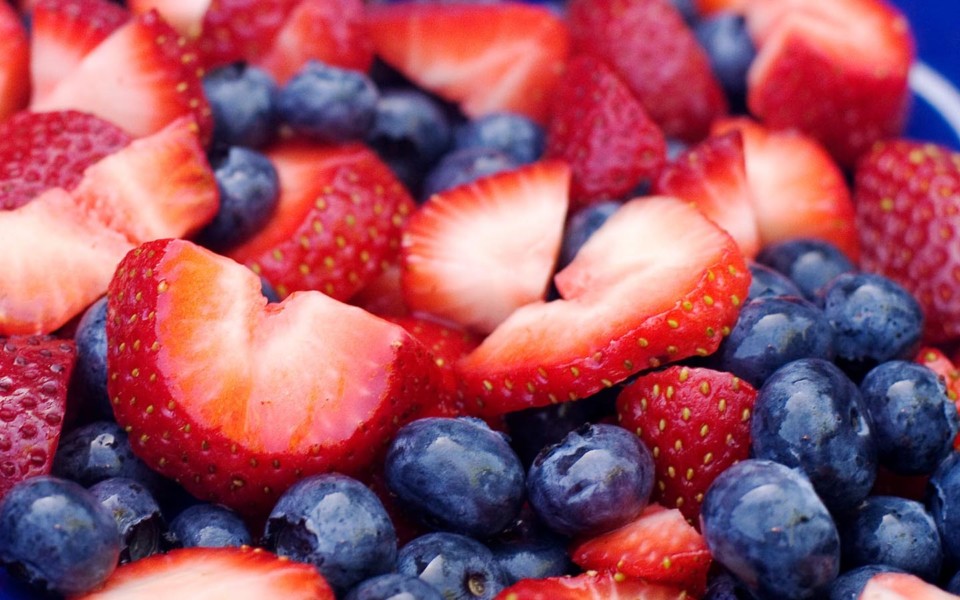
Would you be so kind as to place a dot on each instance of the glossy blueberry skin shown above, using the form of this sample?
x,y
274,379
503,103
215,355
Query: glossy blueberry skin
x,y
765,282
328,104
459,167
243,100
56,535
338,525
771,332
943,502
849,585
687,8
765,523
808,415
809,263
90,371
535,558
249,194
888,530
914,422
136,513
597,478
515,135
583,224
459,567
724,586
730,51
953,586
456,474
209,526
98,451
394,586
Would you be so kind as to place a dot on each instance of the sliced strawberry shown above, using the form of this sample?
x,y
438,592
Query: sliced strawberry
x,y
658,282
713,175
383,295
235,30
603,132
15,67
62,33
652,48
210,573
836,70
659,546
142,77
798,189
476,253
590,586
902,586
709,7
34,376
936,360
486,57
44,150
236,398
696,421
330,31
337,225
186,16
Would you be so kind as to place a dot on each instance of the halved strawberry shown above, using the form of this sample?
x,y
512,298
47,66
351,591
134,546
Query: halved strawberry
x,y
43,150
659,546
383,295
658,282
486,57
337,225
236,398
186,16
212,574
799,191
709,7
35,371
590,586
235,30
902,586
655,52
141,77
713,176
15,67
477,252
603,132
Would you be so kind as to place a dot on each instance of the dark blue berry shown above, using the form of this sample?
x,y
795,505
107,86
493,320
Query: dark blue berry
x,y
730,50
268,291
944,503
209,526
459,567
914,422
456,475
849,585
460,167
98,451
594,480
583,224
953,586
394,586
90,372
513,134
534,558
688,9
765,523
765,281
328,104
243,100
809,263
725,586
136,513
338,525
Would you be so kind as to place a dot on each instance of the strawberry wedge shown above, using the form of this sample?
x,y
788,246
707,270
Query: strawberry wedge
x,y
15,67
590,586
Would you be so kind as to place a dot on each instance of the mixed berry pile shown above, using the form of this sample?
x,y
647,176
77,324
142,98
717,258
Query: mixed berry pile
x,y
316,299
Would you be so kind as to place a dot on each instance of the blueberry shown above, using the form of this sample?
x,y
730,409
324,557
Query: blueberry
x,y
688,9
460,167
249,194
56,535
243,100
953,586
808,415
849,585
209,526
730,50
724,586
459,567
765,281
90,372
765,523
594,480
513,134
535,558
136,513
394,586
328,104
456,475
98,451
809,263
943,501
914,422
583,224
338,525
887,530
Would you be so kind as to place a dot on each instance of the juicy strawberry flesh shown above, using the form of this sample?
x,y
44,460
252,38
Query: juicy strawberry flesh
x,y
590,586
15,70
236,30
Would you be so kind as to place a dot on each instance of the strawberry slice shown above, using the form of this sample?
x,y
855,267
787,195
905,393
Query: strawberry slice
x,y
141,77
590,586
659,546
337,224
650,46
477,252
799,191
901,586
657,282
186,16
63,32
35,372
603,132
236,30
939,363
15,67
213,573
486,57
383,295
236,398
713,175
44,150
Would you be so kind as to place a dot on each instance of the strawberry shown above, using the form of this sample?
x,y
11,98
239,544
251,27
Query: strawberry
x,y
940,364
186,16
63,32
836,70
34,375
383,295
475,253
655,52
486,57
337,225
907,196
211,573
710,7
658,282
696,421
602,130
44,150
235,30
798,189
237,399
141,77
15,67
590,586
658,546
902,586
713,175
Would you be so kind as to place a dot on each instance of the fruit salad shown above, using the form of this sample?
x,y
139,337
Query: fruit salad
x,y
502,300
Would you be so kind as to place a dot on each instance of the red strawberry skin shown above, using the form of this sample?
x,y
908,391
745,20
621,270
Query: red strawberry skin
x,y
235,30
15,68
34,376
940,364
590,586
910,192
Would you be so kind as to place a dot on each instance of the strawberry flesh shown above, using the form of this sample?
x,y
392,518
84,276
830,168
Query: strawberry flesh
x,y
15,67
235,30
590,586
